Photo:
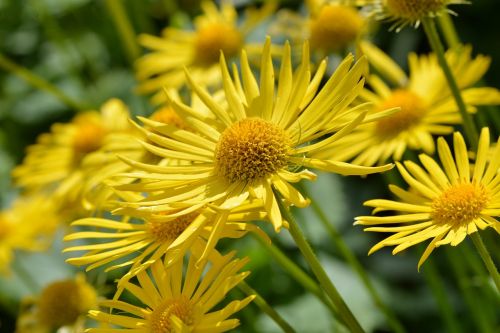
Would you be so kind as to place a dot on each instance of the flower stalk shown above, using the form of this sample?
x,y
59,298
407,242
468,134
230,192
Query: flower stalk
x,y
436,45
266,308
343,310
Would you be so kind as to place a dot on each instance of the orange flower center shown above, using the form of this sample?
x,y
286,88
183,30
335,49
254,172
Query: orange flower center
x,y
4,227
161,317
169,230
62,302
412,111
335,27
88,136
414,9
251,148
167,115
216,37
459,204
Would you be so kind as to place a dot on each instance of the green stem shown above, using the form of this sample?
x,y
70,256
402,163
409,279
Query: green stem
x,y
343,310
485,255
38,82
297,273
266,308
448,30
125,29
439,291
471,299
354,263
468,123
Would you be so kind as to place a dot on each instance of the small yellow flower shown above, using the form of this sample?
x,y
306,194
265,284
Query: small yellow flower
x,y
177,302
427,105
255,142
28,225
199,50
66,163
62,303
406,12
445,203
330,26
143,242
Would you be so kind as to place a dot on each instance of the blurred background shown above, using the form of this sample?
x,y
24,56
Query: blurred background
x,y
75,46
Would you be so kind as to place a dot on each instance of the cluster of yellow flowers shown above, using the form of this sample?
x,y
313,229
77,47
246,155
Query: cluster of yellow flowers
x,y
231,136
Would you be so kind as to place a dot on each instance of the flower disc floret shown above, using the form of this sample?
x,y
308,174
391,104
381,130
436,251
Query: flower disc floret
x,y
62,302
88,136
460,204
335,27
164,231
161,318
414,9
412,110
214,38
250,149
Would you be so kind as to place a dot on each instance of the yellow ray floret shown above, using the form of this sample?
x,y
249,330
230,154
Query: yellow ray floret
x,y
444,203
255,142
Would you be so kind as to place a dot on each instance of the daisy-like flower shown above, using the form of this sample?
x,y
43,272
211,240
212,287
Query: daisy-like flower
x,y
55,165
256,143
330,26
445,203
216,30
62,303
27,225
145,242
177,302
406,12
427,105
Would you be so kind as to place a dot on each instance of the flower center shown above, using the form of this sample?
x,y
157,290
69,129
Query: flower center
x,y
88,136
181,307
170,230
4,227
335,27
167,115
251,148
62,302
414,9
216,37
412,110
459,204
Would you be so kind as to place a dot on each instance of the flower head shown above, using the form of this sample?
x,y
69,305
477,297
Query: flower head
x,y
426,104
255,142
177,302
62,303
216,31
406,12
64,162
444,204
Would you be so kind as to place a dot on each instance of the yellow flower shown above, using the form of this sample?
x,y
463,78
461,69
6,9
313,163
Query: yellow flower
x,y
143,242
427,105
215,31
445,203
255,143
173,303
28,225
406,12
61,303
330,26
56,165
